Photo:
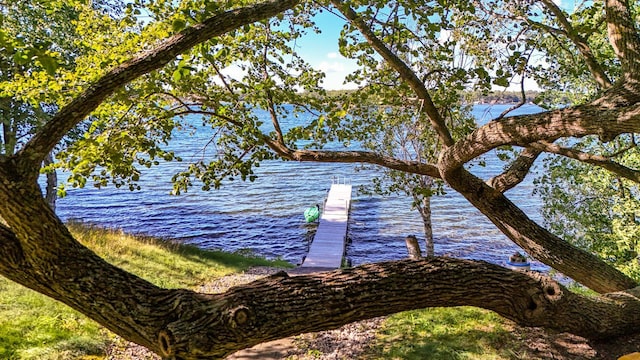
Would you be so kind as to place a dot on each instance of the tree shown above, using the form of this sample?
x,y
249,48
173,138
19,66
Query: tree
x,y
400,129
36,41
39,252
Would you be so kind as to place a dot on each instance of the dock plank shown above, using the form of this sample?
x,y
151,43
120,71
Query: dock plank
x,y
327,248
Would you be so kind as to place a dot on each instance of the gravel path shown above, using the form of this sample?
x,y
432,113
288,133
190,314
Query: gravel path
x,y
347,342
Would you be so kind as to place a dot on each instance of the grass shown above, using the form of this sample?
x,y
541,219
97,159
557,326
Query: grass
x,y
445,333
33,326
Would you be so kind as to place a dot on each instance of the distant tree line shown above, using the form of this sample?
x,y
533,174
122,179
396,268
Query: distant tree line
x,y
495,97
503,97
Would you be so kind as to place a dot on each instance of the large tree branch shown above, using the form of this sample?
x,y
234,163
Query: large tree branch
x,y
70,115
523,130
292,304
405,72
625,40
623,36
278,145
12,255
576,263
520,167
516,172
368,157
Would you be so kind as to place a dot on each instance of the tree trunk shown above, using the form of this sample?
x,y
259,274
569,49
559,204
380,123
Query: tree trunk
x,y
413,247
425,213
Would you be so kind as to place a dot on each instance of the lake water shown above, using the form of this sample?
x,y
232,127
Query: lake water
x,y
266,216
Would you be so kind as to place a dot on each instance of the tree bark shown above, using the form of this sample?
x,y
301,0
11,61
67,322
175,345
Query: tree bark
x,y
599,75
523,130
623,37
425,213
51,194
516,172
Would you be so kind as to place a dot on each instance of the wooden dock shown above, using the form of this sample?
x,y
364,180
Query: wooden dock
x,y
328,245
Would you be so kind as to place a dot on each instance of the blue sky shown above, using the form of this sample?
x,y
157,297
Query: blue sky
x,y
321,51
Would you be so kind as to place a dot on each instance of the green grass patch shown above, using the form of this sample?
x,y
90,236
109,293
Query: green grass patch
x,y
164,263
444,333
33,326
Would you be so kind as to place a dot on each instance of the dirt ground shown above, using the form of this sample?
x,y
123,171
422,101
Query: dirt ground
x,y
543,344
536,344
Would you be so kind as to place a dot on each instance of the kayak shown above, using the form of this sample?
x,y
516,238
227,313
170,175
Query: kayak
x,y
312,214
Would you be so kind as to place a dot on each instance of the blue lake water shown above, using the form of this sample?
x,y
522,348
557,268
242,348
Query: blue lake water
x,y
266,216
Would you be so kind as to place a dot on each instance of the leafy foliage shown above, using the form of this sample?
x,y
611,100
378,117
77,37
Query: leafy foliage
x,y
593,208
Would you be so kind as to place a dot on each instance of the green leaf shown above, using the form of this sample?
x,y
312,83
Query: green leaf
x,y
177,75
501,81
178,24
49,64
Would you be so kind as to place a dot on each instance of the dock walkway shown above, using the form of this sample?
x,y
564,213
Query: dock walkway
x,y
328,245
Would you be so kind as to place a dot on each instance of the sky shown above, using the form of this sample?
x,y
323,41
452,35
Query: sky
x,y
321,51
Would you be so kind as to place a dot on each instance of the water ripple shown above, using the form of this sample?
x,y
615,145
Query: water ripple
x,y
266,216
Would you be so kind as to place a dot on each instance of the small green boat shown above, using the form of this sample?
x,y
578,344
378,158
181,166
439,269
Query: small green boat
x,y
312,214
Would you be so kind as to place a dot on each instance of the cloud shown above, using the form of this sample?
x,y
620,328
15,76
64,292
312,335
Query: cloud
x,y
333,55
444,36
332,67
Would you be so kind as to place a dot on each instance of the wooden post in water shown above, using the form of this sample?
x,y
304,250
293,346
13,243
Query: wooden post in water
x,y
413,247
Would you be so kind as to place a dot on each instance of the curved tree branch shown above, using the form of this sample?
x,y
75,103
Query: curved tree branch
x,y
52,132
576,263
516,172
523,130
414,167
625,40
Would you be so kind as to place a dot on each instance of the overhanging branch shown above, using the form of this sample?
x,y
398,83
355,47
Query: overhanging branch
x,y
367,157
523,130
52,132
581,44
516,172
537,241
283,305
404,71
